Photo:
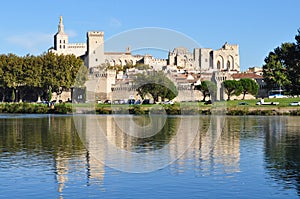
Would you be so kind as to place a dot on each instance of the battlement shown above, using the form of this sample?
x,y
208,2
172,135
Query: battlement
x,y
77,45
95,34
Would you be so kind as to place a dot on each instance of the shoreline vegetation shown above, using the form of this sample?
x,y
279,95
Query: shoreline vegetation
x,y
234,107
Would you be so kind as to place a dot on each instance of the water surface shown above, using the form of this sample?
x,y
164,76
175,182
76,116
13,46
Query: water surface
x,y
54,156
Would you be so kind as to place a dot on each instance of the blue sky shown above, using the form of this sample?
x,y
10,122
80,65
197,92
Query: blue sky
x,y
258,26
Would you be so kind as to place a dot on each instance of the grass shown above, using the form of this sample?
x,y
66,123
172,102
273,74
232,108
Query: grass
x,y
283,102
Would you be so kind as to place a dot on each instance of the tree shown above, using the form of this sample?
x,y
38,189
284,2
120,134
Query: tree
x,y
156,84
13,74
207,88
232,87
34,76
249,86
59,72
282,67
3,60
293,66
275,68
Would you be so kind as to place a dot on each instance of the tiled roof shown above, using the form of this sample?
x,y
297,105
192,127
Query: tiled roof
x,y
246,75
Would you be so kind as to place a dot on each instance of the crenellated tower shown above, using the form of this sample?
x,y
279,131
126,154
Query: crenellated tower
x,y
95,48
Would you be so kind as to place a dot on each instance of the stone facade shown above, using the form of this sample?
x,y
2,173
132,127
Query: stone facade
x,y
62,45
201,59
215,65
205,59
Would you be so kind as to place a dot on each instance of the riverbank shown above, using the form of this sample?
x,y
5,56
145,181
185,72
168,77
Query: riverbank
x,y
35,108
236,107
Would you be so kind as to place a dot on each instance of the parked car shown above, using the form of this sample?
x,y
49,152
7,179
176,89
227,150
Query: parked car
x,y
138,102
277,96
266,103
168,102
294,104
131,101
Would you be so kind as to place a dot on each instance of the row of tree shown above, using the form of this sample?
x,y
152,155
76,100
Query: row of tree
x,y
243,86
282,67
232,87
30,77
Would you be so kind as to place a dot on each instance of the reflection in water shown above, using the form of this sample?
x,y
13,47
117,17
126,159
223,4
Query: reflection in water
x,y
282,150
215,145
52,142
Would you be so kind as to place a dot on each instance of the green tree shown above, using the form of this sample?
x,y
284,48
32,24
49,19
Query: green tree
x,y
60,72
207,88
49,62
249,86
232,87
3,86
13,74
49,94
275,68
293,66
156,84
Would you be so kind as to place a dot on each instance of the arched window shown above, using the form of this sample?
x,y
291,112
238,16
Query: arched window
x,y
218,65
228,65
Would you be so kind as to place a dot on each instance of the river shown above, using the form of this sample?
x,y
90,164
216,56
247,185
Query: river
x,y
125,156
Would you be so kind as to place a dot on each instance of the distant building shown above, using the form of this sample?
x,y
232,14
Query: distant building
x,y
202,59
255,70
205,59
215,65
62,45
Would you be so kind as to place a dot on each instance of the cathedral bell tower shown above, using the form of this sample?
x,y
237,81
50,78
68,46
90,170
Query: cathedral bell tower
x,y
61,39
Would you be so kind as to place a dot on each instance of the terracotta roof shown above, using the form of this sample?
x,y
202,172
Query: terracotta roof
x,y
116,53
246,75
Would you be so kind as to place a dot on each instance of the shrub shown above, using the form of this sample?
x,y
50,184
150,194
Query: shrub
x,y
63,108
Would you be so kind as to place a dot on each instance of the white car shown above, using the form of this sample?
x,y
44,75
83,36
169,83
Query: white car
x,y
168,102
278,96
294,104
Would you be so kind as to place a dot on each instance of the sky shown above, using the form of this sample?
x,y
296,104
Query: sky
x,y
257,26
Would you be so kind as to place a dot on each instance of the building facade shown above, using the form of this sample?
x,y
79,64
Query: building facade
x,y
201,59
218,64
206,59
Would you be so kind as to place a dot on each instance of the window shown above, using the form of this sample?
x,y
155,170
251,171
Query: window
x,y
96,60
59,46
60,41
64,46
94,52
64,41
218,65
228,64
206,60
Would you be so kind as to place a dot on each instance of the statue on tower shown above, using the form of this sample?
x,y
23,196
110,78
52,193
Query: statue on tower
x,y
61,25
